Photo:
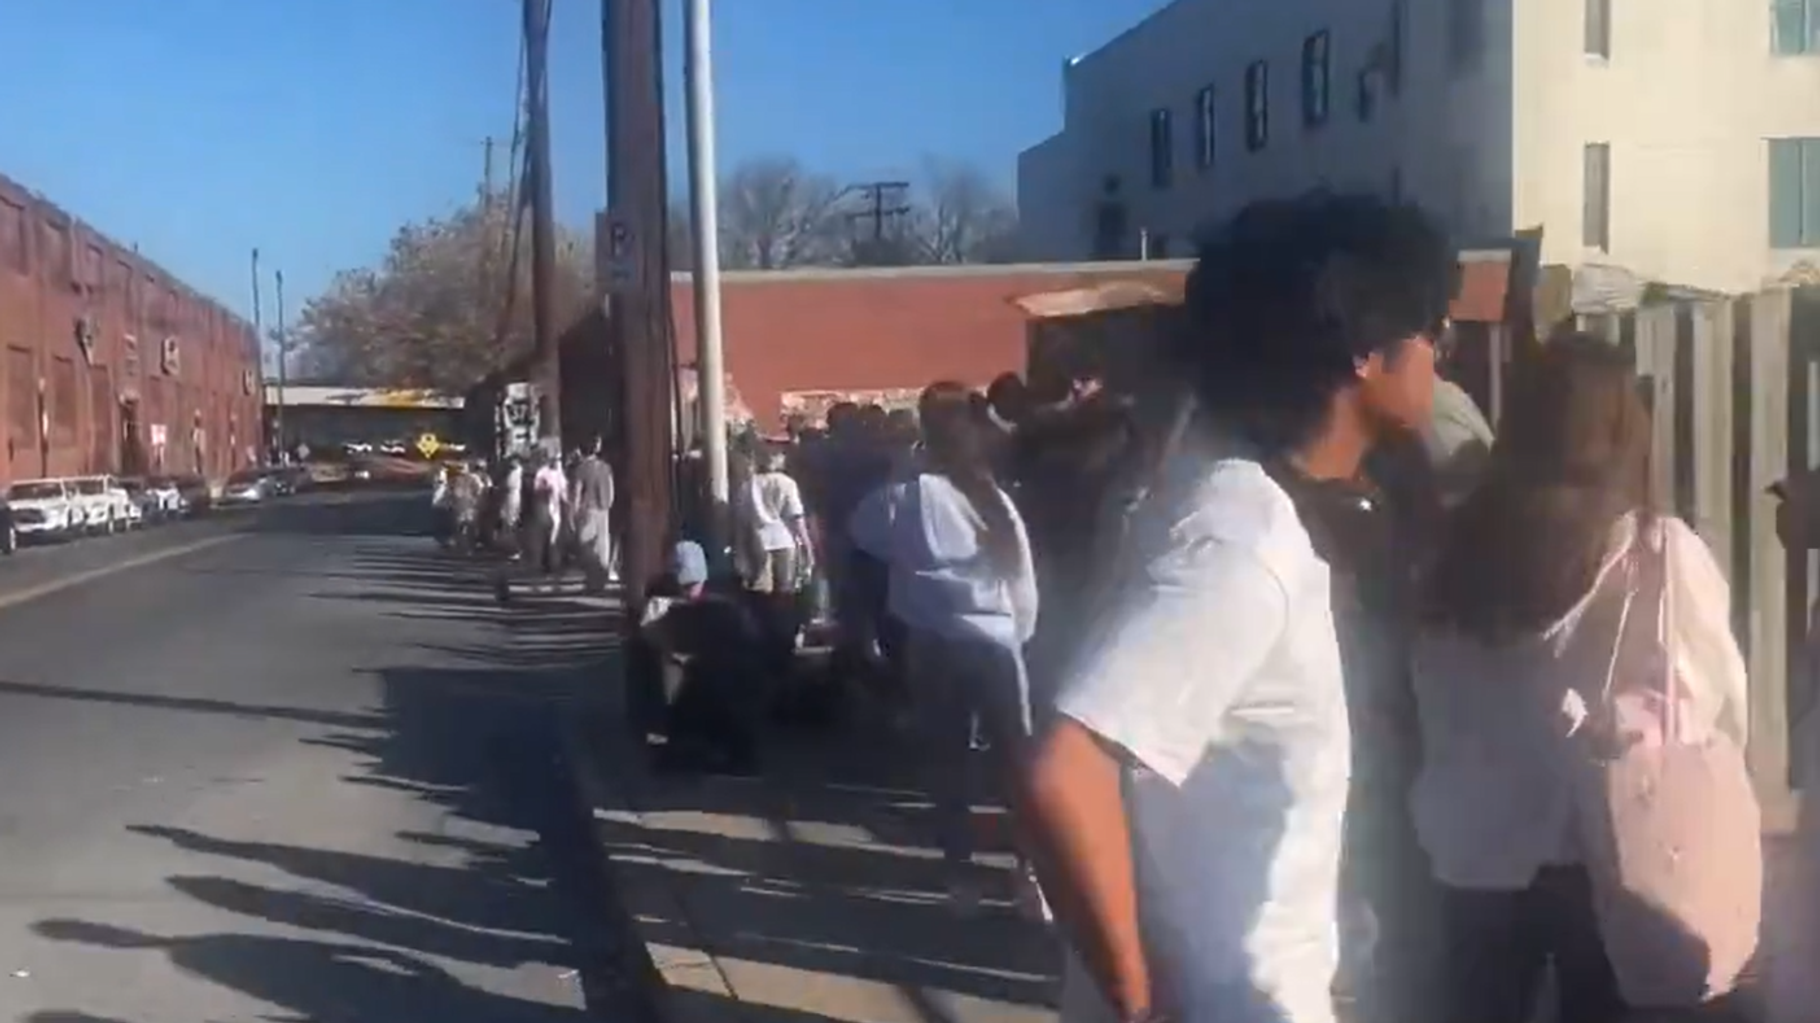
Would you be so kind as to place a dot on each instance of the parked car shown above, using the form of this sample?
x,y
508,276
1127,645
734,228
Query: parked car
x,y
125,507
96,504
194,491
245,488
161,499
42,510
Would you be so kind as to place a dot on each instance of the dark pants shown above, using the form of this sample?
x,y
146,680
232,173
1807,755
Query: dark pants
x,y
959,684
1500,944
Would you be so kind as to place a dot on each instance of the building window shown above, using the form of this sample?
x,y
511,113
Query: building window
x,y
1797,28
1162,149
1365,101
1794,193
1109,228
55,264
1598,28
1206,133
1393,58
1315,80
1257,106
15,250
1156,245
1465,32
1595,208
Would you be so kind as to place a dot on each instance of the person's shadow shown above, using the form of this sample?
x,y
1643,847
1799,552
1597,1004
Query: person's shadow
x,y
320,981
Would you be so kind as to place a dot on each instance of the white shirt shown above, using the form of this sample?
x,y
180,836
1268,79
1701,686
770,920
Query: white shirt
x,y
773,499
941,580
1221,678
1494,802
552,487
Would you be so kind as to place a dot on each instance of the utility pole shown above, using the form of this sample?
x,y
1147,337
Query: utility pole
x,y
259,333
486,174
698,68
639,321
283,353
548,375
884,203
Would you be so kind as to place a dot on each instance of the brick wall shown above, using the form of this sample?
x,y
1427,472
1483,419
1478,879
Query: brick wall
x,y
103,352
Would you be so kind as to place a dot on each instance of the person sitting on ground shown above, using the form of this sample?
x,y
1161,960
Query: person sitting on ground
x,y
695,669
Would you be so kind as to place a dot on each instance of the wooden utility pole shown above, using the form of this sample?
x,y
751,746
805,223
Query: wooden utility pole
x,y
639,321
548,373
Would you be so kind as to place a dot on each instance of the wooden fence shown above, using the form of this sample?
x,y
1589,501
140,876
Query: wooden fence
x,y
1734,385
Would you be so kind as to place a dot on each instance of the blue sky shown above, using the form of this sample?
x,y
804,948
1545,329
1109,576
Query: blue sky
x,y
199,129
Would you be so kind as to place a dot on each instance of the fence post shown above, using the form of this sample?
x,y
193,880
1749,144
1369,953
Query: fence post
x,y
1655,340
1712,433
1767,636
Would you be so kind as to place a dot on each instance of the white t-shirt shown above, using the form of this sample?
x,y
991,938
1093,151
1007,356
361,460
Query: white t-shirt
x,y
1220,676
773,499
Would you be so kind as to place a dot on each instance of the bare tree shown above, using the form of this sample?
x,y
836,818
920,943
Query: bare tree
x,y
774,214
962,217
447,305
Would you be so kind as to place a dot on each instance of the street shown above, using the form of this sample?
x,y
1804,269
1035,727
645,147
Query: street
x,y
288,765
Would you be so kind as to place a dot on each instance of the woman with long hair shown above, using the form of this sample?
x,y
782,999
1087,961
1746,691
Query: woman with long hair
x,y
1547,577
963,584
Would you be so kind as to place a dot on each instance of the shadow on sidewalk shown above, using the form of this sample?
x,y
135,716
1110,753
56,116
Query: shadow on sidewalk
x,y
509,880
817,889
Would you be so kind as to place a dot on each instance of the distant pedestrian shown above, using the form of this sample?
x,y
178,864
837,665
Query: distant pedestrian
x,y
780,554
592,498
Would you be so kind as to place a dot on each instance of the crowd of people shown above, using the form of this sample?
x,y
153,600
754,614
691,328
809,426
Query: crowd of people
x,y
541,511
1310,698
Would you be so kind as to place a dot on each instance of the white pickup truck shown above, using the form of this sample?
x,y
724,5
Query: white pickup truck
x,y
44,510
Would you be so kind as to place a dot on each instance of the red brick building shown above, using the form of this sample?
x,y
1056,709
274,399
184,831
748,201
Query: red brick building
x,y
788,332
107,362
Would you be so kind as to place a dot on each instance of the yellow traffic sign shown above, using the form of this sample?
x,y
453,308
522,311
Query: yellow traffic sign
x,y
428,445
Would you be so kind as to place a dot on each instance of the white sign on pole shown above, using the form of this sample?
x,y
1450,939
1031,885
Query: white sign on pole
x,y
618,255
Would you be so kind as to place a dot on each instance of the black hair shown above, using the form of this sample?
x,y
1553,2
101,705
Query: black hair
x,y
1290,294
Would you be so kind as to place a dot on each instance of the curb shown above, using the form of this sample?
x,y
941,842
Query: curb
x,y
606,779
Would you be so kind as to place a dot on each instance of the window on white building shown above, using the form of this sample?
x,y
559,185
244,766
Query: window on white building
x,y
1465,32
1794,193
1206,129
1595,203
1598,28
1797,27
1316,78
1257,105
1162,149
1366,101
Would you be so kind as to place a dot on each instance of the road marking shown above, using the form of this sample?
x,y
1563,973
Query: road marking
x,y
45,589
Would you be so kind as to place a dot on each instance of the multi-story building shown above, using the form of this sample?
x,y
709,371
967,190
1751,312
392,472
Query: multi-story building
x,y
108,363
1677,139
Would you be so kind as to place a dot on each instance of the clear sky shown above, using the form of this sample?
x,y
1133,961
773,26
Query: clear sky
x,y
199,129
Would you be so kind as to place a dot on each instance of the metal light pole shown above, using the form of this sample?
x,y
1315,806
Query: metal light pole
x,y
259,336
704,211
283,343
543,218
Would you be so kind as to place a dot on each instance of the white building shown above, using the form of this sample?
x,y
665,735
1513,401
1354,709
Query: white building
x,y
1679,139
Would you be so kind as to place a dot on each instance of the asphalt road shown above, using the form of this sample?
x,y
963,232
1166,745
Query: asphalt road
x,y
290,765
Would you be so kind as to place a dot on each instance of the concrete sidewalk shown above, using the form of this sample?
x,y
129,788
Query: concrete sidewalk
x,y
812,893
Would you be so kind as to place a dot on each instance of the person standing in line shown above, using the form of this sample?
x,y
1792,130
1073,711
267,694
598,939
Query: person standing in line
x,y
592,498
511,504
781,558
1187,802
963,583
543,522
1560,597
